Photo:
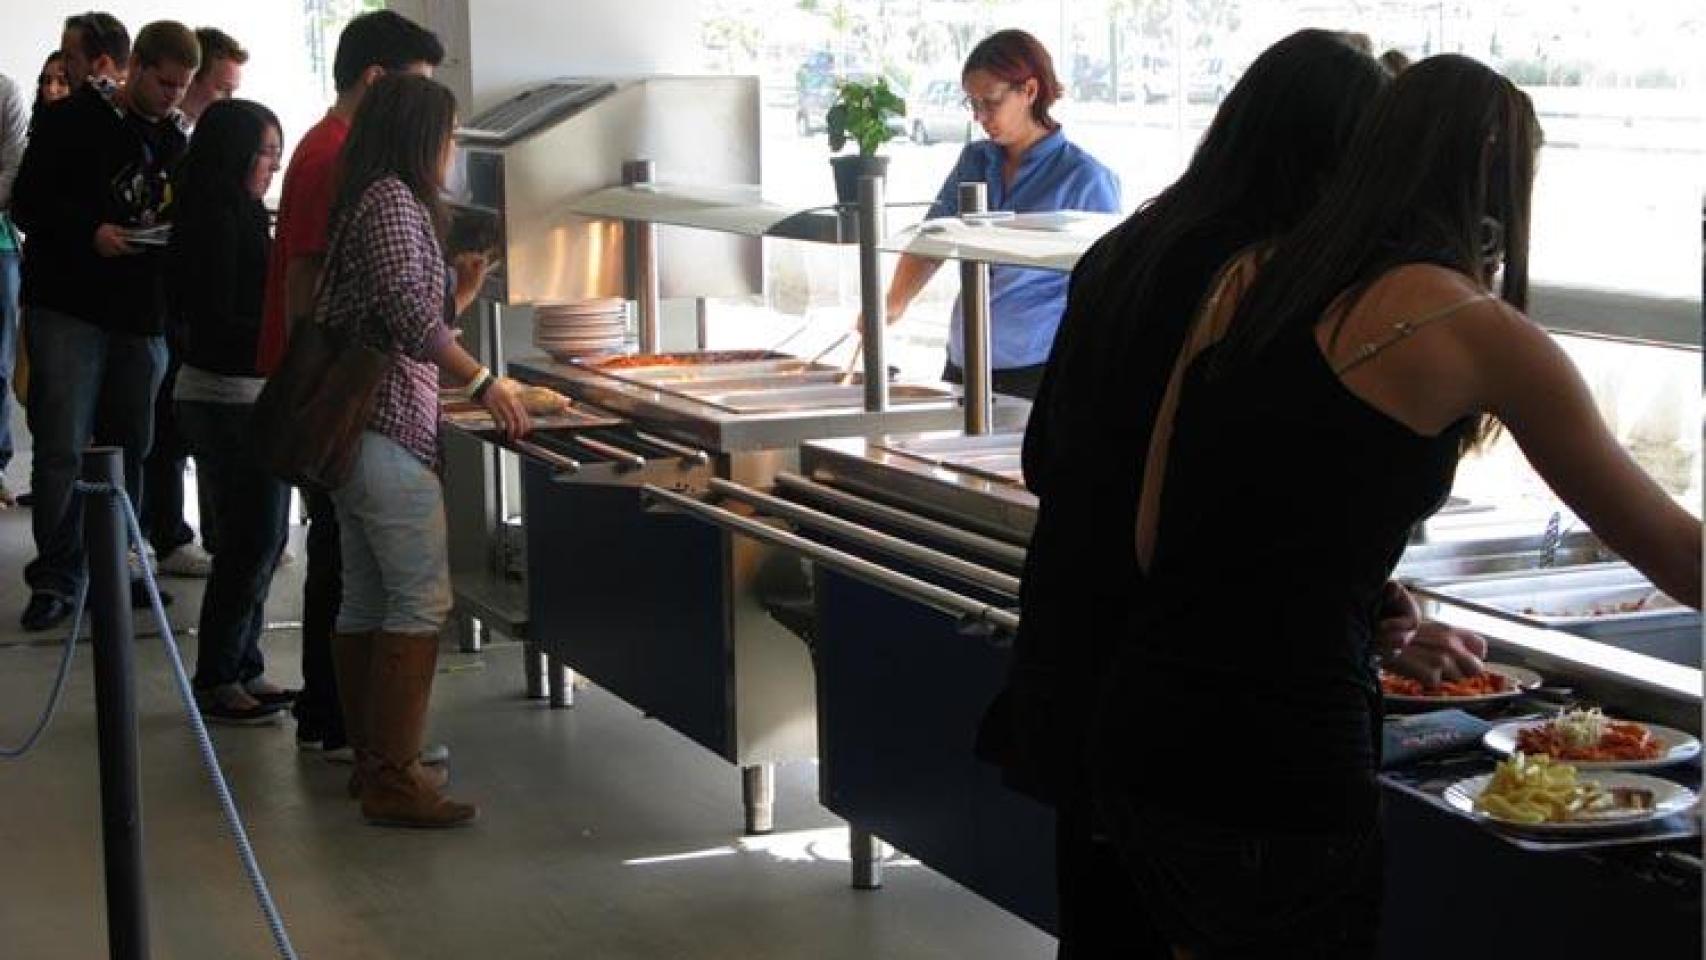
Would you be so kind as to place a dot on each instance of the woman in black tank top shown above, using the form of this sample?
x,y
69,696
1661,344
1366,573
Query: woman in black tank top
x,y
1260,167
1315,415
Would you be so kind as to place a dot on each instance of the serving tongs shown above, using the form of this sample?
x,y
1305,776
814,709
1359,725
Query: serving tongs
x,y
833,346
792,335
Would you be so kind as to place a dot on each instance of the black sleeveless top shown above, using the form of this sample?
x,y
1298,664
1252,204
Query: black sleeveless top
x,y
1248,689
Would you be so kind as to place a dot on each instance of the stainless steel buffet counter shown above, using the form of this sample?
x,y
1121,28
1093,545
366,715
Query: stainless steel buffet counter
x,y
666,612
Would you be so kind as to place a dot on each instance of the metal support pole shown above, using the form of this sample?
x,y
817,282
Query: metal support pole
x,y
974,316
643,259
470,633
701,323
105,539
873,322
560,681
533,670
758,796
498,497
867,856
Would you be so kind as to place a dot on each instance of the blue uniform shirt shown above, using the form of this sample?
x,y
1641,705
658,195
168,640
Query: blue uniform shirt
x,y
1025,305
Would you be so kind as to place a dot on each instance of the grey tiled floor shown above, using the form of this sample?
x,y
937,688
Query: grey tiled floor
x,y
604,835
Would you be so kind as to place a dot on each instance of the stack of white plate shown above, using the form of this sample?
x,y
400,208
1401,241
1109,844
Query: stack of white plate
x,y
584,329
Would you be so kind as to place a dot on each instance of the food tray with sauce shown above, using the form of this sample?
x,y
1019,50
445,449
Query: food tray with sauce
x,y
1604,601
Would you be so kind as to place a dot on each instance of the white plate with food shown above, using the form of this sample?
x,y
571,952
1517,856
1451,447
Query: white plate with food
x,y
1497,681
1589,740
1536,795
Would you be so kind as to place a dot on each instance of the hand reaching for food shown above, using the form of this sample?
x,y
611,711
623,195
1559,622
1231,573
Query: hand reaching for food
x,y
1397,620
504,399
1439,653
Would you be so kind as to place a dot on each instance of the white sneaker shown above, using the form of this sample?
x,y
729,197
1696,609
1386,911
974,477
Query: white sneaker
x,y
189,560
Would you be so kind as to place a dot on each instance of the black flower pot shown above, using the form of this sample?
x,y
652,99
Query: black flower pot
x,y
849,169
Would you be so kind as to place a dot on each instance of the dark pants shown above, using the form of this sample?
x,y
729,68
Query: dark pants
x,y
1013,381
8,349
253,509
1225,893
317,706
1102,916
81,376
162,513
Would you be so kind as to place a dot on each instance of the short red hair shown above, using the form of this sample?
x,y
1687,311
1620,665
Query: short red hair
x,y
1015,56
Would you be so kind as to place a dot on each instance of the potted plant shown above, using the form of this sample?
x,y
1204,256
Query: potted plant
x,y
864,113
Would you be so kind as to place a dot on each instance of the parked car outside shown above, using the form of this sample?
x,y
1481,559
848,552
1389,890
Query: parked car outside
x,y
1209,81
939,113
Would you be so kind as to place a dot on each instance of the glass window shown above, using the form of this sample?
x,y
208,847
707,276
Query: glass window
x,y
1618,87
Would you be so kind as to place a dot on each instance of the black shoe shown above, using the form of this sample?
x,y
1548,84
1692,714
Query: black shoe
x,y
267,693
233,709
44,612
314,735
139,596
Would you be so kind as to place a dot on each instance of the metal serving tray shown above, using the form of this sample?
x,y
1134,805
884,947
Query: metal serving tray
x,y
1584,601
696,365
475,419
993,456
816,397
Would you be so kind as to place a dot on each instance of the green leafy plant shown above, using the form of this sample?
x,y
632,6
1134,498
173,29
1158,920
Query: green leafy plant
x,y
861,113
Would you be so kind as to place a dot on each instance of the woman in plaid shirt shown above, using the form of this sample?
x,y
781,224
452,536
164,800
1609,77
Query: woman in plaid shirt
x,y
387,281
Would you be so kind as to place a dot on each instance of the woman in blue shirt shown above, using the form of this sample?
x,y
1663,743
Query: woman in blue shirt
x,y
1029,166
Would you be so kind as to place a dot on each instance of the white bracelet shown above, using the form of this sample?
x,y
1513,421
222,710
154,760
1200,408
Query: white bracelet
x,y
477,385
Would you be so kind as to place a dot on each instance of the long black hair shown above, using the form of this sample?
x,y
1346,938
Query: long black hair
x,y
400,130
1271,149
214,173
1441,172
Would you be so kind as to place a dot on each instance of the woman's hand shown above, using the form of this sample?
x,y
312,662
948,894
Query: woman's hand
x,y
1396,623
1438,652
503,400
471,270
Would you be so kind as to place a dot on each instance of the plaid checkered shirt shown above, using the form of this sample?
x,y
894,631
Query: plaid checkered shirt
x,y
387,280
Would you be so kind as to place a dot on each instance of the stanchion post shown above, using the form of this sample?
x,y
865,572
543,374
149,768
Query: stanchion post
x,y
106,545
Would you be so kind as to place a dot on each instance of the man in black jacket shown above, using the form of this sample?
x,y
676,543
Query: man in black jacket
x,y
94,179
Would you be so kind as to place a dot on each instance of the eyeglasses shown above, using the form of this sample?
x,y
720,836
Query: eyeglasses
x,y
984,106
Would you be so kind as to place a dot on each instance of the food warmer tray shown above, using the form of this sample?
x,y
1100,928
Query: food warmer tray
x,y
1585,601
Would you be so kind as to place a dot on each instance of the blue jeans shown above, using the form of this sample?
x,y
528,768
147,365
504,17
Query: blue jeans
x,y
8,350
396,555
84,382
253,509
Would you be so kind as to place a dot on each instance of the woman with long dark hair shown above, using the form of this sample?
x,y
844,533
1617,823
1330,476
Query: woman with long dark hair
x,y
1315,414
52,84
216,269
388,284
1262,163
1029,166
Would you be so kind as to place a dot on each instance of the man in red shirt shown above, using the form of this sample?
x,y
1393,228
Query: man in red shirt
x,y
370,46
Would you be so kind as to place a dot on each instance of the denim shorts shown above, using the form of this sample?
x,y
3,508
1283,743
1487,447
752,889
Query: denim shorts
x,y
396,557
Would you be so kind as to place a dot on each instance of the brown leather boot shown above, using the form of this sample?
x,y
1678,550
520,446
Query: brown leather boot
x,y
352,661
395,788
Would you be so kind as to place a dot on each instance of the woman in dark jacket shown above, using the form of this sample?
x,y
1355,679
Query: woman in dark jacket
x,y
217,269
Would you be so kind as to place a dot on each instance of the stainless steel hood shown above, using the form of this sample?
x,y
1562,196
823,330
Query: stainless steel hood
x,y
529,158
